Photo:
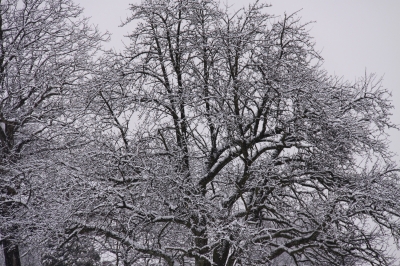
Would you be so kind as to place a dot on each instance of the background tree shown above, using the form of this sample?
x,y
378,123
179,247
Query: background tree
x,y
76,252
216,138
46,50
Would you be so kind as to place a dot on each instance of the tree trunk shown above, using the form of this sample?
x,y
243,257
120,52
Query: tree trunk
x,y
199,231
11,253
220,254
201,241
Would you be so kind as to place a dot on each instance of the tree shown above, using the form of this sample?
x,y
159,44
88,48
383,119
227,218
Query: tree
x,y
76,252
218,139
46,51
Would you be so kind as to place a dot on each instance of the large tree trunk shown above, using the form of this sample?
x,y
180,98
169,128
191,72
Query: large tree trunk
x,y
220,253
200,238
11,253
201,241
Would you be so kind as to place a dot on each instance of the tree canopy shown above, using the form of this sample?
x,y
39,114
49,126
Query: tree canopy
x,y
216,138
46,50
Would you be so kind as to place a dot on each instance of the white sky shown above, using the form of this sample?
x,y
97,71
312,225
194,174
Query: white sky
x,y
354,36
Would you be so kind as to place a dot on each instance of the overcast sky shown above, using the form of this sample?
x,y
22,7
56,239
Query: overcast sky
x,y
353,36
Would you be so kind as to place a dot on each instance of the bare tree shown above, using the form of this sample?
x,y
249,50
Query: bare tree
x,y
46,49
217,139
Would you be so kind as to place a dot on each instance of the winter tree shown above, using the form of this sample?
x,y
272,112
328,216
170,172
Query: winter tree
x,y
46,48
217,138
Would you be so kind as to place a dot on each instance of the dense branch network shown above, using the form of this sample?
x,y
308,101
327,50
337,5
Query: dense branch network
x,y
226,144
216,138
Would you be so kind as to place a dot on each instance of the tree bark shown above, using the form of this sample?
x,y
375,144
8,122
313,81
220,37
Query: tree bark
x,y
11,253
201,241
220,254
